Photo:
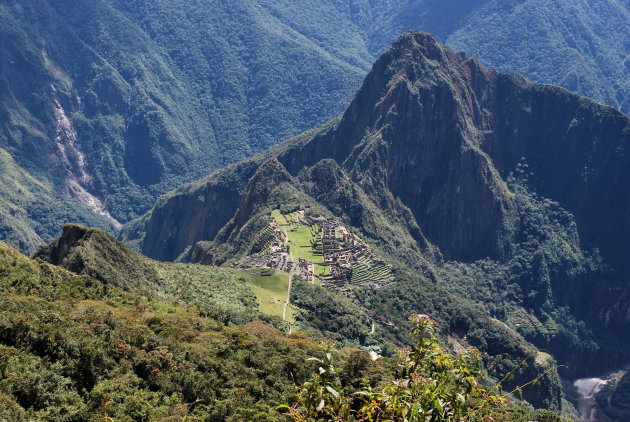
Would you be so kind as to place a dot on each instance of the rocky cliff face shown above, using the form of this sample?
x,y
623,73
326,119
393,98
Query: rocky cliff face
x,y
441,134
422,146
458,172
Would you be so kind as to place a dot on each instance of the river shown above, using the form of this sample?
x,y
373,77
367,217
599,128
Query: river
x,y
587,388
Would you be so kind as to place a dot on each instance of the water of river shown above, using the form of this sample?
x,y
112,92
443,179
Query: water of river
x,y
587,388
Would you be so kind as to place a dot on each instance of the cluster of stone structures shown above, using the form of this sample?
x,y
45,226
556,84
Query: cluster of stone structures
x,y
278,245
350,262
340,248
272,243
280,261
306,270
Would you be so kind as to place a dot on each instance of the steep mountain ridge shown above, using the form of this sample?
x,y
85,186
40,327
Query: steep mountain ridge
x,y
112,103
528,37
426,117
460,174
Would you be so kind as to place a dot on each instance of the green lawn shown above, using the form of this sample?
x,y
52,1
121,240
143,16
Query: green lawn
x,y
286,219
321,269
270,291
300,240
277,216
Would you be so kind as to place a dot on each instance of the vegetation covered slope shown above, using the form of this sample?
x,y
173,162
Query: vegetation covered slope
x,y
77,347
430,384
485,185
111,103
121,101
97,254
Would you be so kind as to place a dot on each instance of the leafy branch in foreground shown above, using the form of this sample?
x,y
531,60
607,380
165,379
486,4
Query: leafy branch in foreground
x,y
429,384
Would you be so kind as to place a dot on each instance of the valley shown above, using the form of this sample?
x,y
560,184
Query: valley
x,y
311,211
587,389
604,399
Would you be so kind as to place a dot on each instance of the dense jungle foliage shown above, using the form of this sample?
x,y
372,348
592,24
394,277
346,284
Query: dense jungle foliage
x,y
77,347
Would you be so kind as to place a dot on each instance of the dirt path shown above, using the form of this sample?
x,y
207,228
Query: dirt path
x,y
294,266
288,301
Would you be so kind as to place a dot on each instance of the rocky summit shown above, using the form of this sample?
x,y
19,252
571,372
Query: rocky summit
x,y
509,193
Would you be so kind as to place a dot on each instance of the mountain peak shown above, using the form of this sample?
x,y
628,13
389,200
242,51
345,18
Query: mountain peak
x,y
416,41
416,49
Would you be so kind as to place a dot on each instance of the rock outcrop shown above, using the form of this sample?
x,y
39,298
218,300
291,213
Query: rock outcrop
x,y
436,160
438,134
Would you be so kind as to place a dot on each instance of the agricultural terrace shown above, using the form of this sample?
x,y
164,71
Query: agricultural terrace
x,y
325,251
303,239
271,288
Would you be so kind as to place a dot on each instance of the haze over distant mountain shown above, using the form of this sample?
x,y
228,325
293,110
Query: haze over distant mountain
x,y
506,194
107,104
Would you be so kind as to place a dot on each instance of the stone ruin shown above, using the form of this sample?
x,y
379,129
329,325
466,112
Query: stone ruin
x,y
280,261
306,270
343,252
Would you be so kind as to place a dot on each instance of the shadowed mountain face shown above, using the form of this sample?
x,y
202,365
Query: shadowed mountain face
x,y
438,134
108,104
503,190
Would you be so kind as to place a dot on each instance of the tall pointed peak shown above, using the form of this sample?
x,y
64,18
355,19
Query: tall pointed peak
x,y
417,41
415,48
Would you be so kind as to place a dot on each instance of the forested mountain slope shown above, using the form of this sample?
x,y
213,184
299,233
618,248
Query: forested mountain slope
x,y
81,345
105,333
107,104
115,103
509,194
581,45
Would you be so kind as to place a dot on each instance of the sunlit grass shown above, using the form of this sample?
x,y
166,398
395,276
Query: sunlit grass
x,y
300,238
271,291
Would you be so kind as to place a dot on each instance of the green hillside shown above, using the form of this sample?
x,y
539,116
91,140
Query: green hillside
x,y
112,103
74,348
468,184
102,95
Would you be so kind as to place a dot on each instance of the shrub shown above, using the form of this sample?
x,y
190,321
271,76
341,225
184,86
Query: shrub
x,y
429,384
